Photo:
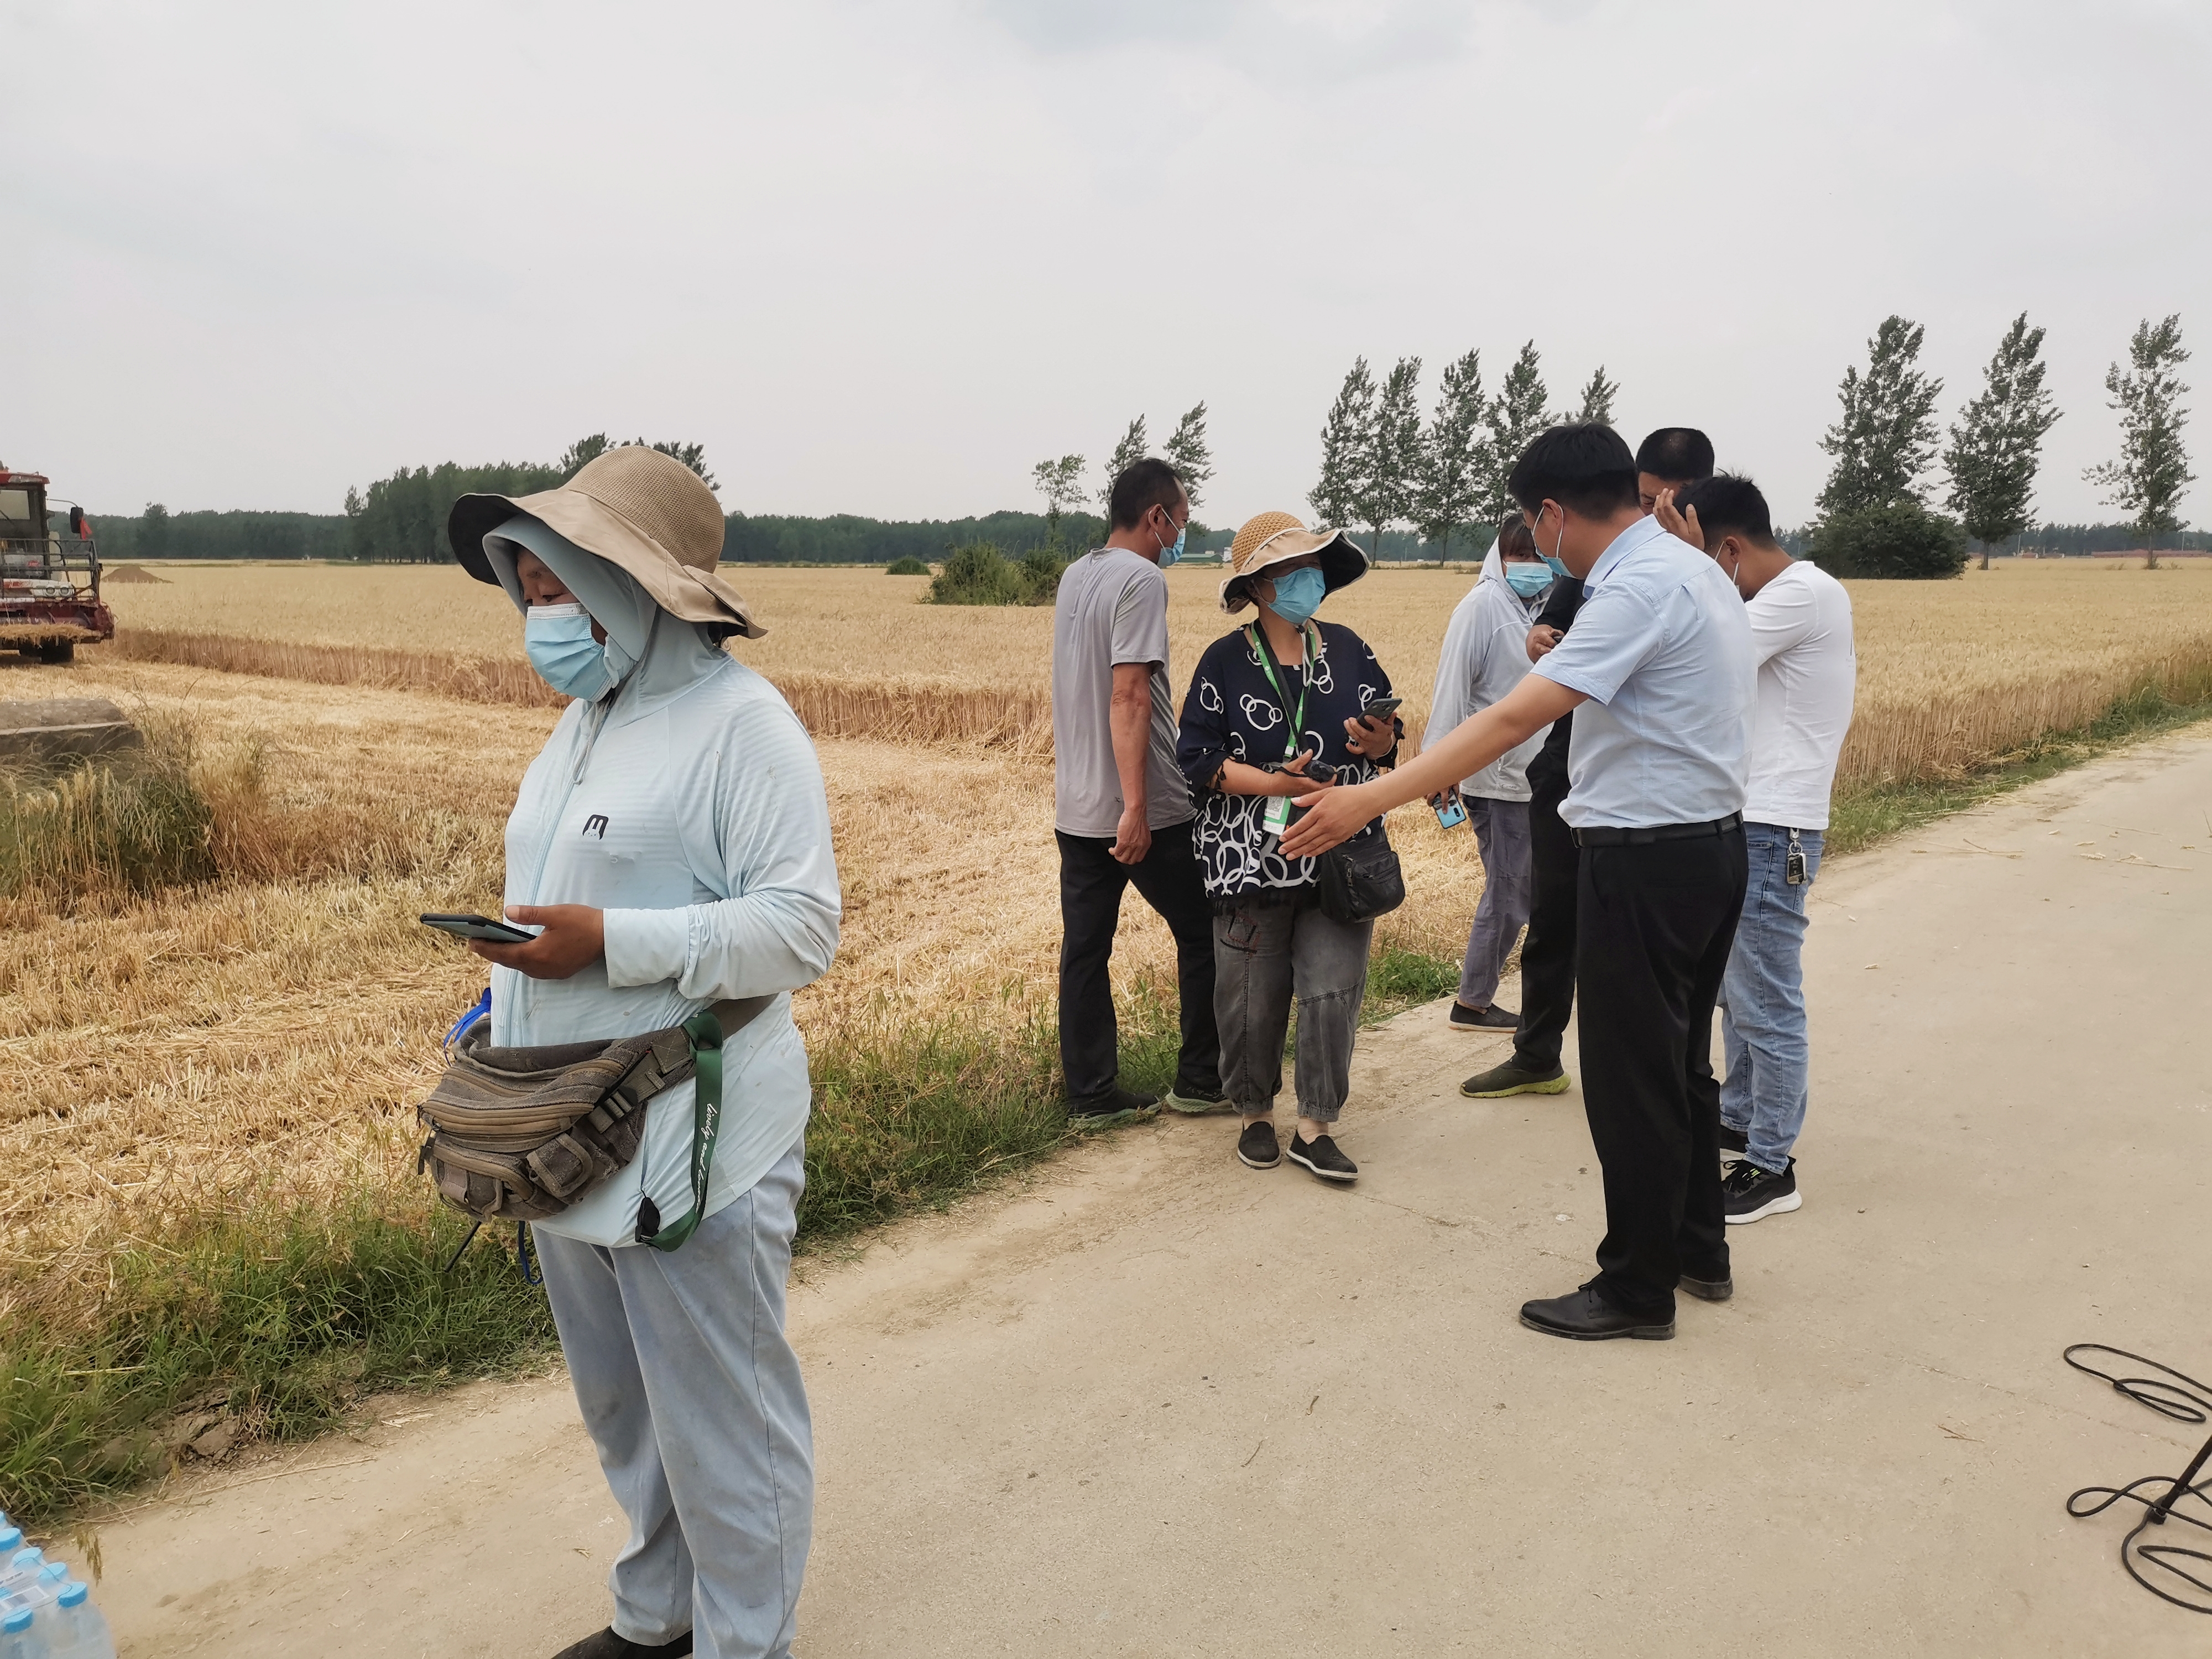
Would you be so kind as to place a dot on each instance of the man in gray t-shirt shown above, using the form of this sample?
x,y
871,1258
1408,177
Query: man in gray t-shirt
x,y
1121,807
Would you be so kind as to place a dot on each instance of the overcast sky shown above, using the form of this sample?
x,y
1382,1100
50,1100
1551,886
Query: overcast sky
x,y
881,258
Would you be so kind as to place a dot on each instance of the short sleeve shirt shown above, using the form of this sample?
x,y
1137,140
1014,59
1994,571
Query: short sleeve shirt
x,y
1112,610
1801,638
1663,650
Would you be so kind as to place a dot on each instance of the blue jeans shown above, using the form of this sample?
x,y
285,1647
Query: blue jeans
x,y
1763,1002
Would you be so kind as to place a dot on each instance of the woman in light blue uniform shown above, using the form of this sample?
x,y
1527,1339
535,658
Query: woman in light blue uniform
x,y
672,842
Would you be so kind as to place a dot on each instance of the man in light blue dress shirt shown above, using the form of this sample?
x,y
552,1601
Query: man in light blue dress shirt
x,y
1659,665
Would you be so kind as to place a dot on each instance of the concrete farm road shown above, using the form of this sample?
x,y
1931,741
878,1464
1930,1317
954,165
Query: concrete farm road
x,y
1152,1403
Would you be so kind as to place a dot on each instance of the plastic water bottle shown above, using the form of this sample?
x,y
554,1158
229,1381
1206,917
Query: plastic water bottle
x,y
21,1637
22,1569
79,1631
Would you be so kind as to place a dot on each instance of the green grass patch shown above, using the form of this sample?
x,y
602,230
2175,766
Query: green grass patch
x,y
1863,817
279,1320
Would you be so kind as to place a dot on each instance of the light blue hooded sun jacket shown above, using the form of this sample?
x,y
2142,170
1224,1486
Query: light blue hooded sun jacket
x,y
688,805
1486,655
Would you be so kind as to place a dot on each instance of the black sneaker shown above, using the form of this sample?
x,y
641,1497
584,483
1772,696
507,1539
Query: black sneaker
x,y
1749,1192
1257,1147
1733,1145
1120,1106
1515,1078
1492,1019
1323,1156
608,1646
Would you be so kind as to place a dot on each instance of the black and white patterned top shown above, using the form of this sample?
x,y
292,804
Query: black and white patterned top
x,y
1232,713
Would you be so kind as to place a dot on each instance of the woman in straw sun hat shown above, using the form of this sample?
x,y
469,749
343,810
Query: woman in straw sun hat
x,y
1273,707
672,842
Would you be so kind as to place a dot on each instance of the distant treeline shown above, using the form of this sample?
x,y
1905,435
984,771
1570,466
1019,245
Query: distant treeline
x,y
403,521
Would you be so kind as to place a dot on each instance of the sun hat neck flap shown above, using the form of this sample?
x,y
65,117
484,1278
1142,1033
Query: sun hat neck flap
x,y
641,511
1270,538
670,654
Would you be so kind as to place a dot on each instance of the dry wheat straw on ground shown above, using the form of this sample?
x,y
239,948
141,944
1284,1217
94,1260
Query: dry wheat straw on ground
x,y
269,1037
272,1033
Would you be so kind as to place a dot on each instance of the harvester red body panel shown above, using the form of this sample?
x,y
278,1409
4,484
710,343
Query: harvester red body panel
x,y
50,600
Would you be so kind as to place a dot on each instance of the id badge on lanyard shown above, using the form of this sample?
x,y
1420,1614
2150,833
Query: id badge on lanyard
x,y
1276,818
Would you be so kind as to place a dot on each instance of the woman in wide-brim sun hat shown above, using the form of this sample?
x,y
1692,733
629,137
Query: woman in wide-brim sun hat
x,y
673,841
1273,704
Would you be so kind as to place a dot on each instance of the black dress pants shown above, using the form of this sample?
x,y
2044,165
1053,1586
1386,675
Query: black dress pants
x,y
1654,926
1091,881
1547,953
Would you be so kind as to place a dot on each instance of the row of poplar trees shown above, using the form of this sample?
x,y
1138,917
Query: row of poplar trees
x,y
1382,465
1875,517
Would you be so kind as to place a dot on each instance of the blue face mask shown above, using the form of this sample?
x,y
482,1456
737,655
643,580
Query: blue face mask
x,y
558,638
1170,552
1529,580
1558,567
1299,594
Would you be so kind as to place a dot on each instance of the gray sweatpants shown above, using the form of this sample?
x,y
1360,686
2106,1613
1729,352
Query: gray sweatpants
x,y
1501,835
693,1399
1261,958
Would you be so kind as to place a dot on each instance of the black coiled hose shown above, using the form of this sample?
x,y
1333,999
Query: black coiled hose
x,y
2184,1400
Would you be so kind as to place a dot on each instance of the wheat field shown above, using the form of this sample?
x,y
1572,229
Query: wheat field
x,y
270,1035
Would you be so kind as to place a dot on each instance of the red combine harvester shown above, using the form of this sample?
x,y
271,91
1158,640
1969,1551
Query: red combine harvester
x,y
49,584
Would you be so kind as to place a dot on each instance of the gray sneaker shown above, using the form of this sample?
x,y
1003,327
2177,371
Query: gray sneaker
x,y
1193,1105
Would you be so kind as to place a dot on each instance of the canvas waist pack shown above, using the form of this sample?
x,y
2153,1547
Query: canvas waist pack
x,y
520,1134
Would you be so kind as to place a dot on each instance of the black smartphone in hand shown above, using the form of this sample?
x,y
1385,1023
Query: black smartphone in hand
x,y
477,928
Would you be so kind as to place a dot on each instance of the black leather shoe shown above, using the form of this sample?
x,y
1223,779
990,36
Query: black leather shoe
x,y
1707,1290
606,1645
1587,1316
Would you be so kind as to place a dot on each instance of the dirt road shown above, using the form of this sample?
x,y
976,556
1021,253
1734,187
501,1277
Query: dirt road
x,y
1154,1403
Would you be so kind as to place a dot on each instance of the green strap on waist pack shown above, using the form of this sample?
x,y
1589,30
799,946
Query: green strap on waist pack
x,y
704,1033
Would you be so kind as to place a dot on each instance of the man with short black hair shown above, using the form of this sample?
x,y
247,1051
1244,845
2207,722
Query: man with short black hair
x,y
1659,666
1121,808
1801,634
1670,459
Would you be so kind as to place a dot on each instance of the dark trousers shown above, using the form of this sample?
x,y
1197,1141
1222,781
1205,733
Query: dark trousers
x,y
1547,954
1091,881
1655,923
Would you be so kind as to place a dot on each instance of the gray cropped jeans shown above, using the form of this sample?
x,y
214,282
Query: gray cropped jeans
x,y
1262,957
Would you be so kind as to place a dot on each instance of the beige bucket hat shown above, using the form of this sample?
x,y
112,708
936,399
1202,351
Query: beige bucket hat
x,y
641,511
1273,537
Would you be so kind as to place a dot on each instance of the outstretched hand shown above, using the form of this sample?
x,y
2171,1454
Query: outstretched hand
x,y
574,938
1331,816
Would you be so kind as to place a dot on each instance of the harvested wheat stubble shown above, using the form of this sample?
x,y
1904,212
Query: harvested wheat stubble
x,y
1951,674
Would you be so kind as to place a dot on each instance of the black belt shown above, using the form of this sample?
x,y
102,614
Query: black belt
x,y
1657,832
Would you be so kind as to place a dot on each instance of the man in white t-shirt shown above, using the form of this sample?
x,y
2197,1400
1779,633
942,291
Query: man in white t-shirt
x,y
1801,631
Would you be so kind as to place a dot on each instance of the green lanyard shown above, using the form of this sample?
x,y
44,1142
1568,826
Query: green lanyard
x,y
1297,720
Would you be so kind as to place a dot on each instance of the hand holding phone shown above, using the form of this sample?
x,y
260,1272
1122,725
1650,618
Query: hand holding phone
x,y
461,925
1451,810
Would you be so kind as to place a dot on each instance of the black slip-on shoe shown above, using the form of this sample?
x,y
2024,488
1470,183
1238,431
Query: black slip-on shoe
x,y
1492,1019
1323,1156
1193,1102
1257,1147
1515,1078
1749,1193
1120,1106
1733,1144
606,1645
1585,1315
1707,1290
